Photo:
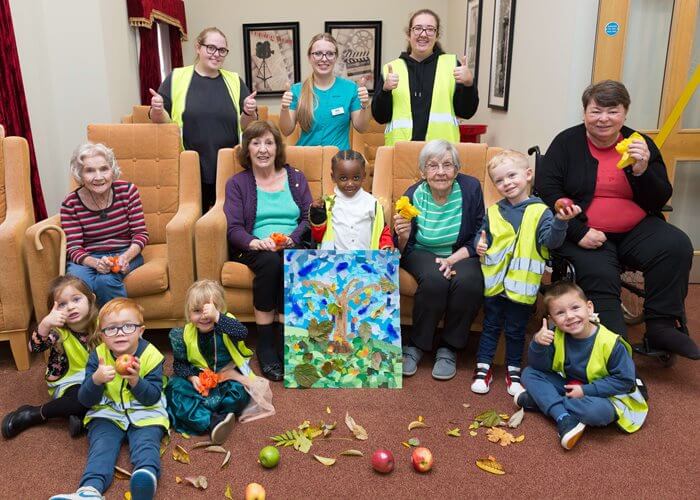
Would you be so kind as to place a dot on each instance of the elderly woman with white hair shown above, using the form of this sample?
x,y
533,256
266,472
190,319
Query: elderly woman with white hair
x,y
438,250
102,219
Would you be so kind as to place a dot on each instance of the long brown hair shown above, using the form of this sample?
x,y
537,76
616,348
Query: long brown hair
x,y
307,99
203,35
417,13
55,289
256,129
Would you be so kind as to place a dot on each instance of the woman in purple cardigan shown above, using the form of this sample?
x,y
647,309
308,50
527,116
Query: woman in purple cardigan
x,y
268,197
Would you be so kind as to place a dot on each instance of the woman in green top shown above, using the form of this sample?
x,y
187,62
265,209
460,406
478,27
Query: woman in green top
x,y
437,250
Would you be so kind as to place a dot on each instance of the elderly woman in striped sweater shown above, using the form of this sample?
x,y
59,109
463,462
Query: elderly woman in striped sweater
x,y
104,223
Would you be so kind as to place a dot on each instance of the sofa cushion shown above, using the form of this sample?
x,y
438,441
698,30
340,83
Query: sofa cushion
x,y
152,277
236,275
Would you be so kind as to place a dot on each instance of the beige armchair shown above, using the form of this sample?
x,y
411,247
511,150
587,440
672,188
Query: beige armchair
x,y
16,215
169,184
210,234
139,114
367,143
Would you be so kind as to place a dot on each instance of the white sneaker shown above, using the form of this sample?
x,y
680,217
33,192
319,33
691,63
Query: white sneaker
x,y
482,378
513,380
84,493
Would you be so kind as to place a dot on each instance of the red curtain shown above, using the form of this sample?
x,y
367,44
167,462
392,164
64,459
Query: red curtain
x,y
13,104
175,48
149,63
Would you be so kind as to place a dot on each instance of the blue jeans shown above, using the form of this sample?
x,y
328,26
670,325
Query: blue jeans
x,y
501,313
106,286
547,390
105,440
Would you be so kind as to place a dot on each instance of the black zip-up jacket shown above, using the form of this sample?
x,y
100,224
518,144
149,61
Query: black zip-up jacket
x,y
421,78
570,170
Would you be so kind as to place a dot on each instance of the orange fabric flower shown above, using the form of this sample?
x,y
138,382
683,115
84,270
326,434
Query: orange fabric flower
x,y
207,380
279,239
114,262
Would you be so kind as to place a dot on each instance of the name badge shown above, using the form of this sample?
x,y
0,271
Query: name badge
x,y
337,111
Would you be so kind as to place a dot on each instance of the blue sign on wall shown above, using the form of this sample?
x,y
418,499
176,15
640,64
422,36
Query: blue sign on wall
x,y
612,28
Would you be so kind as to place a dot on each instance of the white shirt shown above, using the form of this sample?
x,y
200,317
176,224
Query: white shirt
x,y
352,219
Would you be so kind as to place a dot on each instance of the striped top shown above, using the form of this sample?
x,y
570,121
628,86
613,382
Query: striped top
x,y
88,232
438,225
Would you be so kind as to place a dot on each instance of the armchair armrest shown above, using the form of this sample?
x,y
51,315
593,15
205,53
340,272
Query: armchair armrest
x,y
382,181
15,295
211,246
42,265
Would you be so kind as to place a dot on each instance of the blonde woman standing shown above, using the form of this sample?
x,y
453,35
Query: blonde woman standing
x,y
324,105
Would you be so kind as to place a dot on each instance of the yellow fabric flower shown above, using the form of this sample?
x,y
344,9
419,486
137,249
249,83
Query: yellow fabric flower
x,y
405,209
622,148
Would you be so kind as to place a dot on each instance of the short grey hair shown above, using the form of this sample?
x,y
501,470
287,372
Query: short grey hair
x,y
437,149
88,150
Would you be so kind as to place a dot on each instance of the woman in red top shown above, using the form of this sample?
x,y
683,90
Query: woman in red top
x,y
621,223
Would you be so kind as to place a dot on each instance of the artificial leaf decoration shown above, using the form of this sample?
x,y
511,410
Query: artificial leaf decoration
x,y
466,405
500,436
202,444
328,409
489,419
199,482
185,435
504,416
306,375
490,465
120,473
302,444
352,453
207,380
325,461
178,479
413,442
405,444
472,433
165,442
454,432
358,431
227,493
227,459
520,438
417,424
405,209
474,425
516,418
180,454
215,449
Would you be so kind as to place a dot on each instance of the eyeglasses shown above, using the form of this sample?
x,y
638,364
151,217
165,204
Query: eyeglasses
x,y
318,55
429,30
434,167
223,51
126,329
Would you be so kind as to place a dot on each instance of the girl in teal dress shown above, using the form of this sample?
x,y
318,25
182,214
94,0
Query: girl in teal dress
x,y
212,339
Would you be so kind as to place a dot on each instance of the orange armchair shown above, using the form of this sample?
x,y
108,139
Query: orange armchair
x,y
16,215
168,181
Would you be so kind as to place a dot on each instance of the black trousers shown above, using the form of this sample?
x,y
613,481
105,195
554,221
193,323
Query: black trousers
x,y
65,406
457,299
208,197
268,284
661,251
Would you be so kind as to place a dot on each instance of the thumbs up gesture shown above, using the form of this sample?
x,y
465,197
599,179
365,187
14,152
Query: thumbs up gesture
x,y
250,106
391,81
462,74
209,311
104,373
156,101
544,336
483,244
287,97
362,93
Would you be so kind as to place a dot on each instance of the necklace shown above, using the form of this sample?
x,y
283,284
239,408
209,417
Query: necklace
x,y
103,211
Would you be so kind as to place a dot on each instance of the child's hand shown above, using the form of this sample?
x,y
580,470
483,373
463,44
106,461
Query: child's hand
x,y
568,213
574,391
544,336
210,311
483,245
104,373
319,203
194,379
55,319
133,370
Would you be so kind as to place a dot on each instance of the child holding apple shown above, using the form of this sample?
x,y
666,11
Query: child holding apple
x,y
581,373
213,381
125,401
69,333
513,242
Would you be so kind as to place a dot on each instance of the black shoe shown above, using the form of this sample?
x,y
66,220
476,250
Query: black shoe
x,y
75,426
20,420
221,427
525,401
273,371
663,334
570,431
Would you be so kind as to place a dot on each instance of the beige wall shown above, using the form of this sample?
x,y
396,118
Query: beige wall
x,y
78,61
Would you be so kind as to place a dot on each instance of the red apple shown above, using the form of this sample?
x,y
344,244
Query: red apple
x,y
383,461
254,491
422,459
123,363
563,203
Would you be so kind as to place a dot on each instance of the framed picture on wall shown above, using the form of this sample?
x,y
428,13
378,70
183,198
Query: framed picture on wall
x,y
271,56
359,50
501,53
472,39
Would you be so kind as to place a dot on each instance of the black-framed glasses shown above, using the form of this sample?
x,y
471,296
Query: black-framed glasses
x,y
126,329
223,51
418,30
318,55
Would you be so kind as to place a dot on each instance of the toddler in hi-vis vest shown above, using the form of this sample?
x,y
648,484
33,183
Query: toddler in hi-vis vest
x,y
68,333
213,382
581,373
123,387
351,218
513,242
